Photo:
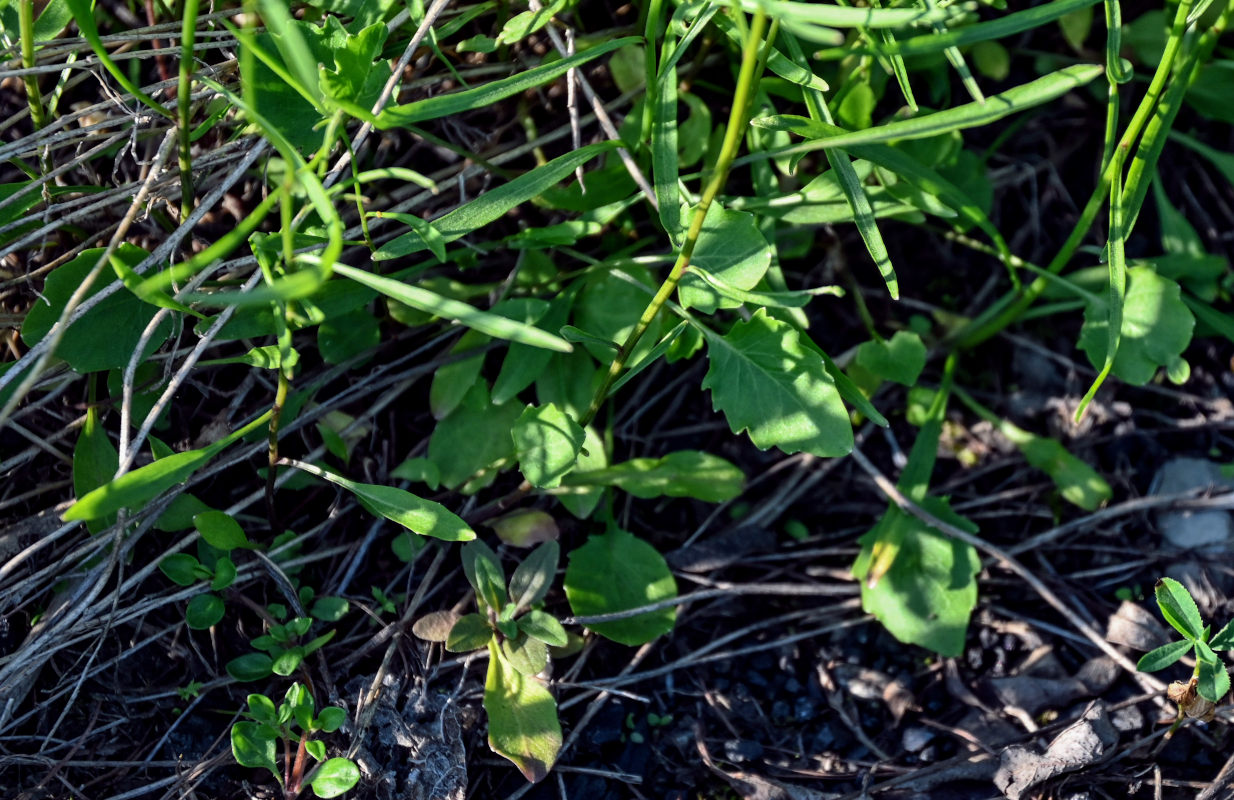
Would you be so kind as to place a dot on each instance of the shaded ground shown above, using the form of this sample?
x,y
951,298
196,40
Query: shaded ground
x,y
774,684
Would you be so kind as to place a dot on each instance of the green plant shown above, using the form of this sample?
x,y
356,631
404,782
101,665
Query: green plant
x,y
1210,678
255,744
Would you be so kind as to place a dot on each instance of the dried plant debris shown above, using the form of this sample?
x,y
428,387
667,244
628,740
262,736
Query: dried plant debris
x,y
1091,739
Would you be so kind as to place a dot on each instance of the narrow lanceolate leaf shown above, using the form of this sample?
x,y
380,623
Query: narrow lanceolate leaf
x,y
414,513
494,204
1178,608
469,99
685,473
664,157
771,385
838,16
522,718
1002,27
969,115
1163,656
422,299
134,489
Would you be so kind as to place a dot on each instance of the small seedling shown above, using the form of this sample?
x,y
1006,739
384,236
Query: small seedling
x,y
254,744
1210,681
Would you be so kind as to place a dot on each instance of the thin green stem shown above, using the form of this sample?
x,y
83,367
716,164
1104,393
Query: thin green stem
x,y
733,135
188,34
25,12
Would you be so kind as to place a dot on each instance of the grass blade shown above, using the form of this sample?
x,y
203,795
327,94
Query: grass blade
x,y
494,325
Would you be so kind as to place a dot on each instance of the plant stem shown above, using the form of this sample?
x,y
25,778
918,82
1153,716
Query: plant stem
x,y
25,11
746,78
188,33
1009,308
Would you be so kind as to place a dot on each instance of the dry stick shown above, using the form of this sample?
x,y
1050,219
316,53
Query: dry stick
x,y
430,16
606,123
904,504
53,337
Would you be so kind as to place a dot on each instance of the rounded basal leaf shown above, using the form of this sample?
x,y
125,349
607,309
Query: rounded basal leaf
x,y
262,708
900,358
330,719
1156,327
204,611
250,667
180,568
220,530
224,574
96,341
253,745
316,748
435,626
287,661
547,442
522,718
525,528
528,656
618,572
330,609
769,384
470,633
334,777
542,626
1163,656
532,579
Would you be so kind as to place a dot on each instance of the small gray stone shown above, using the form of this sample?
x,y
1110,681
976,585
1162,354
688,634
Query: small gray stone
x,y
1210,531
916,737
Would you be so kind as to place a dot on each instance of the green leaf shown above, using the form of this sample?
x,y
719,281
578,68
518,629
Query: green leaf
x,y
969,115
204,611
95,342
1163,656
547,442
534,576
789,13
330,609
732,249
523,363
418,470
334,777
522,718
1178,608
1156,327
1214,680
397,505
900,358
1077,482
347,336
451,382
471,554
134,489
330,719
685,473
268,357
494,325
180,568
253,745
286,662
471,632
220,530
520,26
928,592
448,105
473,438
609,307
224,574
527,655
581,502
542,626
262,709
768,383
1224,640
490,581
250,667
316,748
618,572
95,461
